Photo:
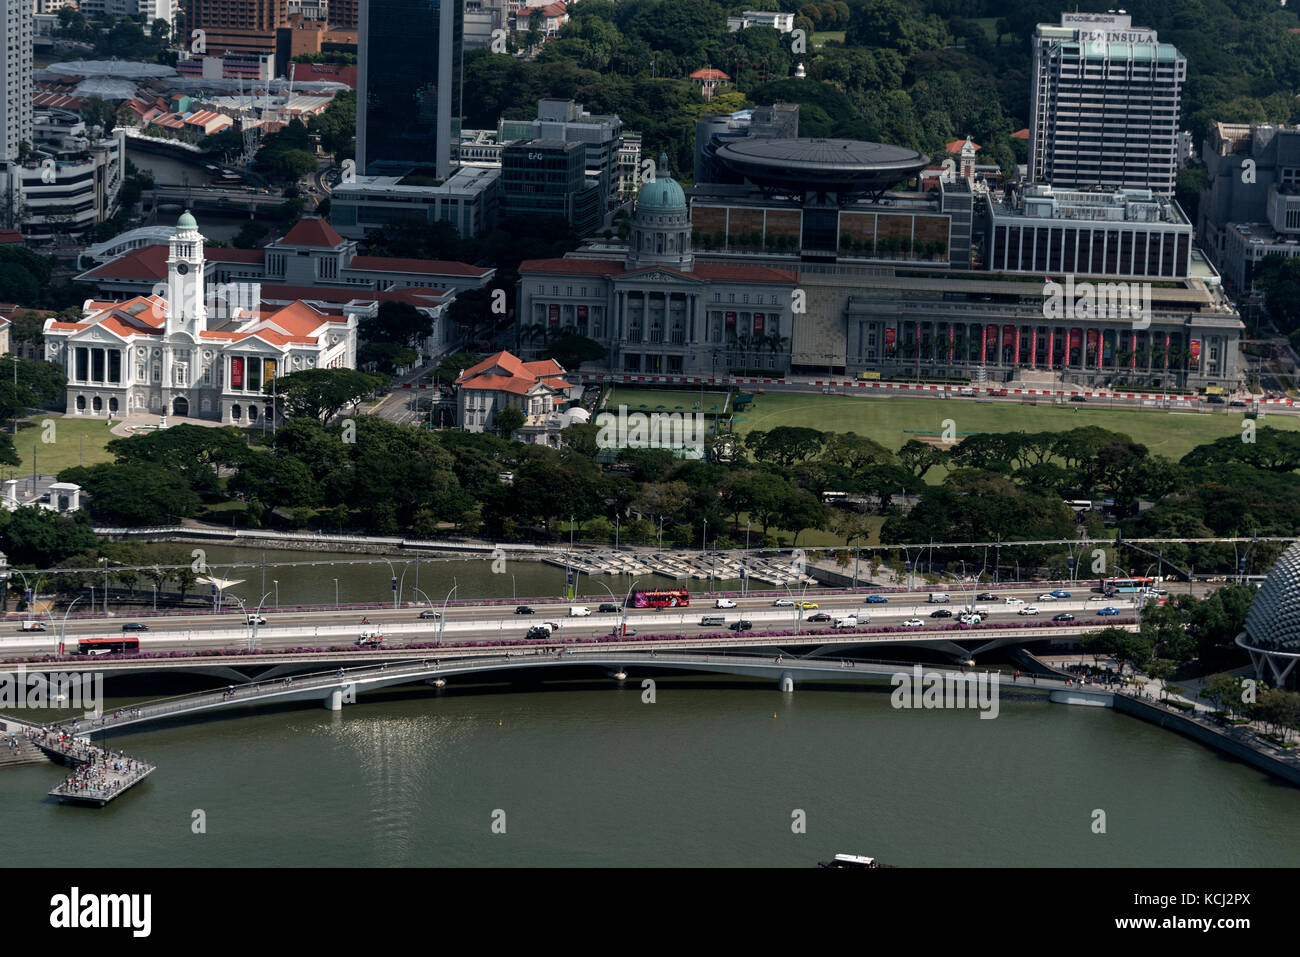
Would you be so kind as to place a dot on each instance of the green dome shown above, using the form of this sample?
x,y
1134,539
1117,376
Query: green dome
x,y
187,221
663,194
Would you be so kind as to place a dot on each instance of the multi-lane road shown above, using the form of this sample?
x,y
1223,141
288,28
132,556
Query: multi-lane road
x,y
288,629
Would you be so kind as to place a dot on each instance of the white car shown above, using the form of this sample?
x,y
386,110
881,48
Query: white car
x,y
914,623
783,603
724,603
1028,610
1099,598
1013,601
1047,596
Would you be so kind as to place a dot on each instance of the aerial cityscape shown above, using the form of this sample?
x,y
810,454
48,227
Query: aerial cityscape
x,y
651,433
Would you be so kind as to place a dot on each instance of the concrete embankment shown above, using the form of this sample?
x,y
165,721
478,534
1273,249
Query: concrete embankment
x,y
1237,742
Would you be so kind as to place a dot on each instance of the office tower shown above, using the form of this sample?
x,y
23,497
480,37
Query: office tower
x,y
1105,105
408,86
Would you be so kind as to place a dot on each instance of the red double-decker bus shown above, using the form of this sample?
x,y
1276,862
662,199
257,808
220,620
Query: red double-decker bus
x,y
667,598
107,646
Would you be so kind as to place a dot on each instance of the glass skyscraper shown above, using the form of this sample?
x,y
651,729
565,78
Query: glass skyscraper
x,y
408,86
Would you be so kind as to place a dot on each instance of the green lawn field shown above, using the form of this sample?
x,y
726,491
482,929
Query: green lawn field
x,y
1171,434
61,442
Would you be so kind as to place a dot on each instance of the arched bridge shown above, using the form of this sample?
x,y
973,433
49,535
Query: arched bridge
x,y
341,686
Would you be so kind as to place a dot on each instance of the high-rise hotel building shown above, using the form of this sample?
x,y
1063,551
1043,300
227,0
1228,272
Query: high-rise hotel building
x,y
408,86
1105,105
236,26
16,87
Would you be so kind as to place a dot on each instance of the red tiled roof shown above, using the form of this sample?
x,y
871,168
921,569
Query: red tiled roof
x,y
415,295
1021,134
572,267
956,145
523,375
10,236
611,267
312,232
150,262
430,267
147,262
222,255
709,74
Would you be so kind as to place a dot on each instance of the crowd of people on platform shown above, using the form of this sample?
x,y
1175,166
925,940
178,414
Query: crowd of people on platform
x,y
97,772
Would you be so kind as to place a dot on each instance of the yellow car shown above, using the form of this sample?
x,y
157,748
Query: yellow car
x,y
807,605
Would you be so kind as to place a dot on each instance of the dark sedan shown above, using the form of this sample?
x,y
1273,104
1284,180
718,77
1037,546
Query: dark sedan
x,y
524,610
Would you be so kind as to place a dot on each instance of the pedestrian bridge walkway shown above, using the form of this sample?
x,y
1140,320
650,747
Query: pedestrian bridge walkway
x,y
341,686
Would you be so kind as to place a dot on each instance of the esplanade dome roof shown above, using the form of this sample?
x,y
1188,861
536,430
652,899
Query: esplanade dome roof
x,y
1273,622
663,194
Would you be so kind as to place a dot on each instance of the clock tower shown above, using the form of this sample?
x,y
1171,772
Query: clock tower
x,y
185,286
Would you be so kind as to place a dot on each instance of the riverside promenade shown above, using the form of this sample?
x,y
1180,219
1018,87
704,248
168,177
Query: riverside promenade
x,y
98,775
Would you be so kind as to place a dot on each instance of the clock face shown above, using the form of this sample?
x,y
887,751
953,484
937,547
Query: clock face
x,y
182,268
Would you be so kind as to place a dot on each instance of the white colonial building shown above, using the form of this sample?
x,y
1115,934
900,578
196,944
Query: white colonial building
x,y
177,354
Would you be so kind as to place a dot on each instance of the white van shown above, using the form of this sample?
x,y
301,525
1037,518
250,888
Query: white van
x,y
724,603
31,625
938,598
370,639
579,611
850,622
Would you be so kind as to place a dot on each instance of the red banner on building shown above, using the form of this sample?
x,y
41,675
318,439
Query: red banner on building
x,y
1092,340
731,318
582,313
554,315
890,333
758,323
952,335
1195,346
236,373
1166,363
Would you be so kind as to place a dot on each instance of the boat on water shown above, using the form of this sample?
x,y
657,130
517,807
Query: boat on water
x,y
850,862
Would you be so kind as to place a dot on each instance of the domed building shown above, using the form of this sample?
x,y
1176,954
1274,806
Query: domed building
x,y
1272,634
653,307
661,225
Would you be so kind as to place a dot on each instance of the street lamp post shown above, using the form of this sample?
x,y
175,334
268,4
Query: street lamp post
x,y
276,583
442,620
336,593
622,627
63,628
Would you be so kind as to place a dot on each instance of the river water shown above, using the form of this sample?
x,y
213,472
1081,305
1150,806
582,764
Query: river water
x,y
583,772
310,579
170,171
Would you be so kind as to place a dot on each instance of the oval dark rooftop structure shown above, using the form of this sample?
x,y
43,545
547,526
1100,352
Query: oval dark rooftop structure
x,y
821,165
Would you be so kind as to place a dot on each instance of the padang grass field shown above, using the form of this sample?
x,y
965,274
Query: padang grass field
x,y
893,420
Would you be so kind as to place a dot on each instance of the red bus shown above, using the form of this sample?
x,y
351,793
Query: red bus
x,y
107,646
668,598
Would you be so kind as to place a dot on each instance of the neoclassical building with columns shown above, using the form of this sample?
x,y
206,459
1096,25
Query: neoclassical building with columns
x,y
185,354
656,308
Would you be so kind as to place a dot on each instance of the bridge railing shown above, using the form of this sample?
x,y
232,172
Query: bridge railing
x,y
328,680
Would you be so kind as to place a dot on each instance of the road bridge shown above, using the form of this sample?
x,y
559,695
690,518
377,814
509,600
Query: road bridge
x,y
337,687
